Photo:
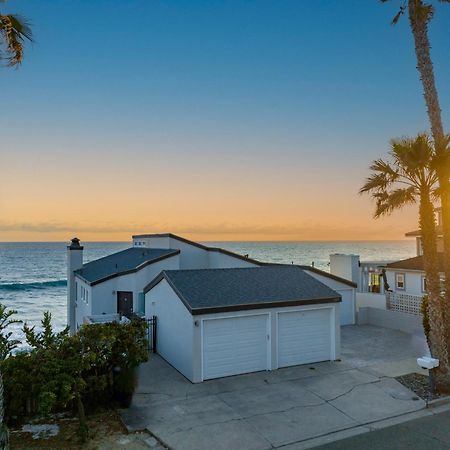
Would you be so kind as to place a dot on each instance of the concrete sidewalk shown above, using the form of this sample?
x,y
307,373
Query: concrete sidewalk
x,y
285,407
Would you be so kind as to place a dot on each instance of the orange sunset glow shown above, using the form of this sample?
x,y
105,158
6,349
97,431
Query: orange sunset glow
x,y
254,200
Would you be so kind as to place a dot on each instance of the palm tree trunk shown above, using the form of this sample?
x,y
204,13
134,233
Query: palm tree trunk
x,y
419,26
437,336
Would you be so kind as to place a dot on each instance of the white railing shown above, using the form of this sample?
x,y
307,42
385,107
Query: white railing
x,y
404,303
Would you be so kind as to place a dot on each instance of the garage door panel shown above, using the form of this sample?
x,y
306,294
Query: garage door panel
x,y
234,345
304,337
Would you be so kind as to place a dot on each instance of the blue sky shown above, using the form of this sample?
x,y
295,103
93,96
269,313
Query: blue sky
x,y
300,94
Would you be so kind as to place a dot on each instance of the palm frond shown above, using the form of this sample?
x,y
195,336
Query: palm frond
x,y
399,14
388,202
381,166
375,183
412,154
14,30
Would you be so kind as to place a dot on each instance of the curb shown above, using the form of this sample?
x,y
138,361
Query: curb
x,y
438,402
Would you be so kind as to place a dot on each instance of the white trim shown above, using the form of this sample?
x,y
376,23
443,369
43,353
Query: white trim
x,y
332,313
403,274
233,316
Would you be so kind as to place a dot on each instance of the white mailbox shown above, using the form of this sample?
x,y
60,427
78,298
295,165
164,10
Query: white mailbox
x,y
426,362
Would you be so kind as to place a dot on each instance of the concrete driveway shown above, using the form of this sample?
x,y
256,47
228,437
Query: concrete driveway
x,y
289,406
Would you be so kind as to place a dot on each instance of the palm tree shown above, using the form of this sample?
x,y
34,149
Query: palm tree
x,y
14,30
420,14
409,177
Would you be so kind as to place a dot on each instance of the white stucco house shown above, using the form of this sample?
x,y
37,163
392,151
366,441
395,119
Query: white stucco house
x,y
218,313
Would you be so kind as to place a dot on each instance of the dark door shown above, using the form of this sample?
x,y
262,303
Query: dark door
x,y
124,302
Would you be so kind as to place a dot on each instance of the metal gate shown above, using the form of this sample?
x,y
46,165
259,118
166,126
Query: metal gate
x,y
151,337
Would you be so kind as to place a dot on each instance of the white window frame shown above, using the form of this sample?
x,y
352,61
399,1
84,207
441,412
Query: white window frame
x,y
400,274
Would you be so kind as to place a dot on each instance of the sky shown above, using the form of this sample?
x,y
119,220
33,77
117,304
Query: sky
x,y
216,120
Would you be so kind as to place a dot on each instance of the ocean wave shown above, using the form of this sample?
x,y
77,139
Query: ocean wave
x,y
34,285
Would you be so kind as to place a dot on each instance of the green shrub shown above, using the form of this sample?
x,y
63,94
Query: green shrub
x,y
63,372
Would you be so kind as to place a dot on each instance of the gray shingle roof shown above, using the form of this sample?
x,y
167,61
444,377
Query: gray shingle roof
x,y
121,263
415,263
208,290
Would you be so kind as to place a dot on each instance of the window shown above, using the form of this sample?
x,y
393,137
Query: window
x,y
400,281
424,284
374,283
84,295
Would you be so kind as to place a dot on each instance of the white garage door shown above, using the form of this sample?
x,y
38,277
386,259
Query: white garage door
x,y
347,307
234,345
304,337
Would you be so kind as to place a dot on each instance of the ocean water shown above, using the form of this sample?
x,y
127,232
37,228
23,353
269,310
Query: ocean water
x,y
33,275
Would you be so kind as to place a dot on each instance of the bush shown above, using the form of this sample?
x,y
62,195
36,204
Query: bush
x,y
63,372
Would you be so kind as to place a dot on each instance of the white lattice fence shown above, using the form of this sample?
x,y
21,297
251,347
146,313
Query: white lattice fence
x,y
405,303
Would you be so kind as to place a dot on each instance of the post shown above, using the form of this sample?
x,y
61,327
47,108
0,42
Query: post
x,y
74,262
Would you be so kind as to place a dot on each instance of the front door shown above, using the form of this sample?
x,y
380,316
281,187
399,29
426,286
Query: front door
x,y
124,302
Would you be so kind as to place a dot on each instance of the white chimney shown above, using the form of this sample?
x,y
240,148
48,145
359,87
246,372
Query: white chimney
x,y
345,266
74,262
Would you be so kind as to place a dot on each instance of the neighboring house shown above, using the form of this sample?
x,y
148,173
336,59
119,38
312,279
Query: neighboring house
x,y
408,276
220,322
398,285
367,275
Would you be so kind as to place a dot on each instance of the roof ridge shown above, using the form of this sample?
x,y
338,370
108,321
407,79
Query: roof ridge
x,y
216,269
197,244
